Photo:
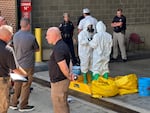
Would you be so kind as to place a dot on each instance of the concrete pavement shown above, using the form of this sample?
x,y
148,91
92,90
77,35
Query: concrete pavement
x,y
40,98
134,101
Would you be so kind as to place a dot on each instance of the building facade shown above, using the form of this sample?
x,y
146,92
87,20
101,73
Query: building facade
x,y
47,13
8,9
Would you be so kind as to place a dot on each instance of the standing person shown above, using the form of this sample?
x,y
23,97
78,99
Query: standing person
x,y
2,21
67,29
79,19
59,71
25,46
7,62
101,44
119,25
85,51
87,17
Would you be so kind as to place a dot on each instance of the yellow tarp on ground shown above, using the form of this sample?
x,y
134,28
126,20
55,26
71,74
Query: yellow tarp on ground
x,y
110,87
104,88
107,87
127,84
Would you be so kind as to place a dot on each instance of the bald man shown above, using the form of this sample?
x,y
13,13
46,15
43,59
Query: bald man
x,y
25,46
7,62
2,21
59,71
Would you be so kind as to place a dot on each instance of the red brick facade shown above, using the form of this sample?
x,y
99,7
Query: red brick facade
x,y
8,10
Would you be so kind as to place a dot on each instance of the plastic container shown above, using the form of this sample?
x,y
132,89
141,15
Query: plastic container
x,y
76,70
144,86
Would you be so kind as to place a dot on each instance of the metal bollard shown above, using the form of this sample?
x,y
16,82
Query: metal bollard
x,y
38,55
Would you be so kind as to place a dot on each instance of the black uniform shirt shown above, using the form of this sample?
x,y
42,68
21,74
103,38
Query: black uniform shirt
x,y
66,29
7,60
60,53
120,19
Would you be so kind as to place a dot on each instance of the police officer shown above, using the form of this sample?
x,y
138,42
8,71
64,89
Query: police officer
x,y
67,29
119,27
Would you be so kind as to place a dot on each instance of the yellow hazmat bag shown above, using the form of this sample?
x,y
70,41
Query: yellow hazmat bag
x,y
126,82
127,91
104,88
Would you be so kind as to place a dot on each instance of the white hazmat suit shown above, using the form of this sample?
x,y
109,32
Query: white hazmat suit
x,y
101,44
84,50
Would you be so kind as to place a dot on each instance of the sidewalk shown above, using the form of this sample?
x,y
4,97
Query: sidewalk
x,y
132,56
134,101
40,98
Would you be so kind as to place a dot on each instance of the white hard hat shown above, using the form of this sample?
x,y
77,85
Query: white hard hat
x,y
86,10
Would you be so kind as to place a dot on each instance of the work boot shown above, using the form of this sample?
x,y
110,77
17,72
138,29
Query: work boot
x,y
96,76
105,75
91,74
85,78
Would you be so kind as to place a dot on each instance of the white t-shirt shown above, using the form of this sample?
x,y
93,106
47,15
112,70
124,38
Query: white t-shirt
x,y
83,21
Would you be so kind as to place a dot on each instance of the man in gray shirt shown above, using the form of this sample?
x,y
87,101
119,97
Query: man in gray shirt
x,y
25,46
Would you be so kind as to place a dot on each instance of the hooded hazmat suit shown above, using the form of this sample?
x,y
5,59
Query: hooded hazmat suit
x,y
101,44
84,50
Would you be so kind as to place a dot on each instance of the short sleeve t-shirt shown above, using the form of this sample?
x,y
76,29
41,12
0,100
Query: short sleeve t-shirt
x,y
25,45
7,60
120,19
60,52
82,24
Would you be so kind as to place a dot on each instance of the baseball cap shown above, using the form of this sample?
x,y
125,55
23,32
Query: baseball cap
x,y
86,10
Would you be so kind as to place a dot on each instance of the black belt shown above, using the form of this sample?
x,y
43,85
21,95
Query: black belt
x,y
4,79
123,32
67,35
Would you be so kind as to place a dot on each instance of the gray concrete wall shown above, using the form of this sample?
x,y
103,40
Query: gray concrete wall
x,y
47,13
143,30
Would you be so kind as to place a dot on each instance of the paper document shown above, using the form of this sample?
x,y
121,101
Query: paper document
x,y
17,77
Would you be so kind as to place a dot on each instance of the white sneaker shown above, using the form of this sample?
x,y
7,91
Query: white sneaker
x,y
27,108
69,100
13,107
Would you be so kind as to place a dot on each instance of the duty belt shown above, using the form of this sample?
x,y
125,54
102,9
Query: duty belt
x,y
66,35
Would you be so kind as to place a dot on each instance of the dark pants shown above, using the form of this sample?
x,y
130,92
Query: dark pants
x,y
69,42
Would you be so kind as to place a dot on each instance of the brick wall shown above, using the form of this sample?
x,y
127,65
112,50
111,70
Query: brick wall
x,y
8,10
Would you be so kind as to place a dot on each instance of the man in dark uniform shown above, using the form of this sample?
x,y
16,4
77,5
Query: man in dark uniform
x,y
59,72
79,19
119,27
67,29
7,62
